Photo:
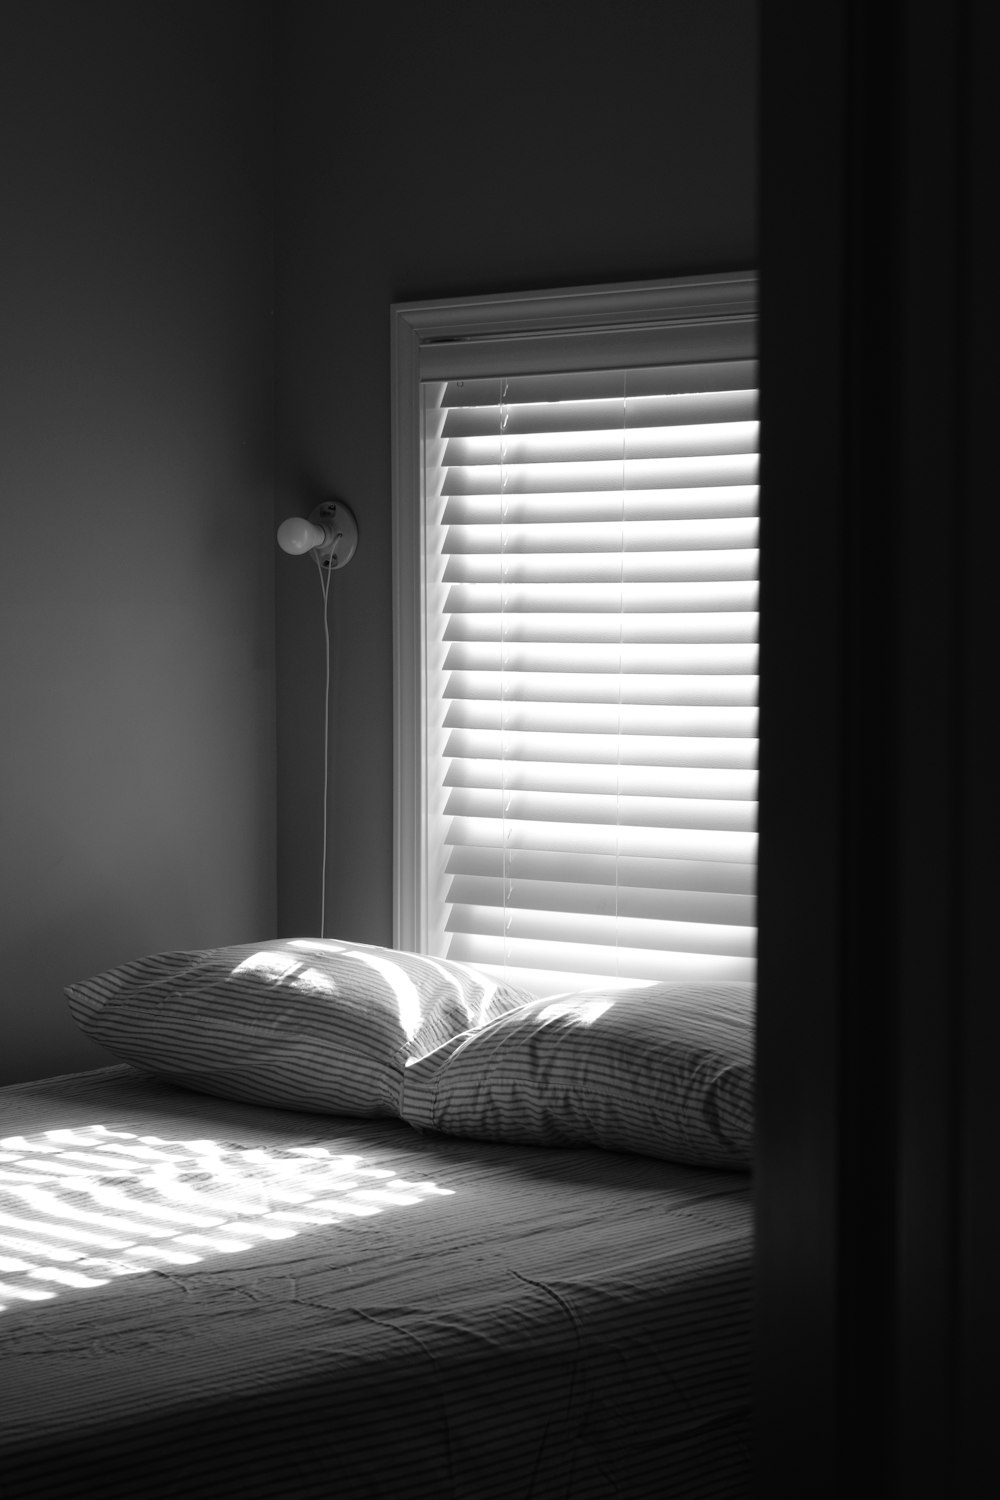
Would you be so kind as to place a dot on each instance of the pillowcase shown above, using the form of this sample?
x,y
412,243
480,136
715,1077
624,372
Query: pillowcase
x,y
663,1070
300,1023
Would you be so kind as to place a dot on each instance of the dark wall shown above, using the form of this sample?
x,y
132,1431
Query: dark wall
x,y
136,550
454,151
876,1214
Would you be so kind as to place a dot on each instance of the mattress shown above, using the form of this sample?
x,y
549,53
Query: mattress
x,y
201,1297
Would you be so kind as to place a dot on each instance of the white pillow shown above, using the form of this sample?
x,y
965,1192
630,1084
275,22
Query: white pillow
x,y
663,1070
297,1023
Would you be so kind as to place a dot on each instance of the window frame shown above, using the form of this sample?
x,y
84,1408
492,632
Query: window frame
x,y
695,306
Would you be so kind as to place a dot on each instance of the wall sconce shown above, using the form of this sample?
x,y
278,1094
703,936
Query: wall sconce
x,y
330,534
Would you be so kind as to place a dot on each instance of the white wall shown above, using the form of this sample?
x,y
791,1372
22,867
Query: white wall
x,y
136,549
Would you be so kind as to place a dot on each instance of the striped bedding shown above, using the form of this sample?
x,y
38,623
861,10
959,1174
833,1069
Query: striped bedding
x,y
202,1297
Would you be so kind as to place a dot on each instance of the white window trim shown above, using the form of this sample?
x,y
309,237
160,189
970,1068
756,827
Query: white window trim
x,y
697,302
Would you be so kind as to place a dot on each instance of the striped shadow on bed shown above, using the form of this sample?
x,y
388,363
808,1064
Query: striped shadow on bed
x,y
544,1323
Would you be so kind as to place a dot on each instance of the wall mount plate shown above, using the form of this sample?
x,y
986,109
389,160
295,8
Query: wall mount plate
x,y
337,520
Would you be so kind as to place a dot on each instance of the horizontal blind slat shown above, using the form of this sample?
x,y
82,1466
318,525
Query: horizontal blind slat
x,y
738,564
649,504
585,838
601,750
585,688
570,537
642,596
585,928
597,444
610,900
665,722
631,872
507,806
592,962
591,656
631,473
564,387
611,779
695,629
579,415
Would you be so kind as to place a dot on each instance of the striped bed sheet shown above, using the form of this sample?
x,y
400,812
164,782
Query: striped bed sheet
x,y
205,1298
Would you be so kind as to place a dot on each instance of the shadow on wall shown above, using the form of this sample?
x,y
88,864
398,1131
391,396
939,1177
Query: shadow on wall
x,y
83,938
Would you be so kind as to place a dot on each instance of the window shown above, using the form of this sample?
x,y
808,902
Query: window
x,y
575,502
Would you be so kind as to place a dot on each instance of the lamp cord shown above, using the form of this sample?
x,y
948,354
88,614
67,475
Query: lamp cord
x,y
324,584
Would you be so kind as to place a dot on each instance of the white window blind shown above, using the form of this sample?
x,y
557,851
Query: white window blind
x,y
589,660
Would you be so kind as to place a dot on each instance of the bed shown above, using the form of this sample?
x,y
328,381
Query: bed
x,y
208,1295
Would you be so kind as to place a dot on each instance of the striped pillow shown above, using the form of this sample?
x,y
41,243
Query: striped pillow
x,y
300,1024
663,1070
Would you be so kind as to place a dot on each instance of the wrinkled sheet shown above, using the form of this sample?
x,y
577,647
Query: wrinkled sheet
x,y
279,1304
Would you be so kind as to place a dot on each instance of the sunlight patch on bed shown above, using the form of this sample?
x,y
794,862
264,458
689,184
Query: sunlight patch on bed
x,y
80,1207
